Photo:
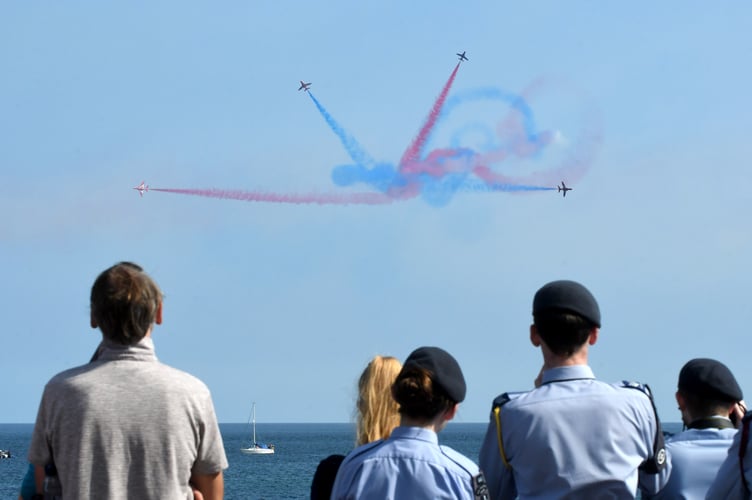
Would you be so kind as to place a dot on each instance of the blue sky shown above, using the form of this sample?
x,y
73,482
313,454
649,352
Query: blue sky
x,y
284,304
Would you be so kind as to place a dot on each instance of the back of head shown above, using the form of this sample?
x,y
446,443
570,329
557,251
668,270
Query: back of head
x,y
377,411
430,382
124,303
708,386
565,313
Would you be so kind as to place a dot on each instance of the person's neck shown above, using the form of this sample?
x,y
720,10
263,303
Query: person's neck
x,y
689,418
551,360
435,424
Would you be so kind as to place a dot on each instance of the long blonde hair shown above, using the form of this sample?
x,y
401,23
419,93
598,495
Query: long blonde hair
x,y
377,413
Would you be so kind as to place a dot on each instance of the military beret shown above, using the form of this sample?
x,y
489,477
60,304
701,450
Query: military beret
x,y
444,369
567,296
711,379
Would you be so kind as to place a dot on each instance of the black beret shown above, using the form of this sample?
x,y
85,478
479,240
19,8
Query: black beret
x,y
444,369
568,296
711,379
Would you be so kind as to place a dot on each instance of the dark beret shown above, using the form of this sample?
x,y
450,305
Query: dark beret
x,y
444,369
711,379
568,296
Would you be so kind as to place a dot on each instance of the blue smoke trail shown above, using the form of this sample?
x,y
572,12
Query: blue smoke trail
x,y
438,175
490,93
381,177
438,192
355,150
482,187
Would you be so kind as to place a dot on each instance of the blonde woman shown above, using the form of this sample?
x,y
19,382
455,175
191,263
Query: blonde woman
x,y
411,463
377,414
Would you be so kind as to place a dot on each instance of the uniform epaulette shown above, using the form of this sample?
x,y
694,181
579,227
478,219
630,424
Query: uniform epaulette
x,y
637,385
501,400
505,398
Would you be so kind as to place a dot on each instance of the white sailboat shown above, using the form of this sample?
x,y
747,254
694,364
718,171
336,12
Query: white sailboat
x,y
257,448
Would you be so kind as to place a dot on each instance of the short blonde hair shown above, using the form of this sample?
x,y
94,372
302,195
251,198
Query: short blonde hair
x,y
377,413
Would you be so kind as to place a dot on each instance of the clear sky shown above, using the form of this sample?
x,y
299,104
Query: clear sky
x,y
643,107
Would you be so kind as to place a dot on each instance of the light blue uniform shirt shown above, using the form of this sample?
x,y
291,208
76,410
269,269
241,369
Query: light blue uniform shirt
x,y
410,465
728,484
696,456
572,437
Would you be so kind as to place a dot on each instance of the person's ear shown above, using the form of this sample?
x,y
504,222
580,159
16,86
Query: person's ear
x,y
451,412
534,337
92,321
680,401
593,338
158,316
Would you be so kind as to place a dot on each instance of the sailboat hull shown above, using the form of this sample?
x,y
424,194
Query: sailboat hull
x,y
257,451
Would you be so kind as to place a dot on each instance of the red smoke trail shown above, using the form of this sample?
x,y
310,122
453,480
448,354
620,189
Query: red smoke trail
x,y
311,199
412,154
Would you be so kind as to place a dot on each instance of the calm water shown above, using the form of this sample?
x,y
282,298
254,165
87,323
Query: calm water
x,y
286,474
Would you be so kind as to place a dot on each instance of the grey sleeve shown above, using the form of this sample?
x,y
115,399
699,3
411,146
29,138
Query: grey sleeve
x,y
40,450
211,456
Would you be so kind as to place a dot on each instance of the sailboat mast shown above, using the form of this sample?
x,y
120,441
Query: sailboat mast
x,y
254,423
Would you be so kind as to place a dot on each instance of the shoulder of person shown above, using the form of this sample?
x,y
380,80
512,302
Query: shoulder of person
x,y
506,398
323,478
474,475
503,400
65,376
698,438
332,460
460,459
638,387
360,450
181,378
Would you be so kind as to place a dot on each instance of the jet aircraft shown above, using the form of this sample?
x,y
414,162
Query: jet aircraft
x,y
462,56
563,189
304,86
142,188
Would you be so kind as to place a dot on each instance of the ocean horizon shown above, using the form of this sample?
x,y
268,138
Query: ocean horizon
x,y
286,474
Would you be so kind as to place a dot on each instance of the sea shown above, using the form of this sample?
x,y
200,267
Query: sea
x,y
284,475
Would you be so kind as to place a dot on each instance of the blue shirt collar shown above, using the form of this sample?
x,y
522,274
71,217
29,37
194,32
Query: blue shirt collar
x,y
562,373
415,433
